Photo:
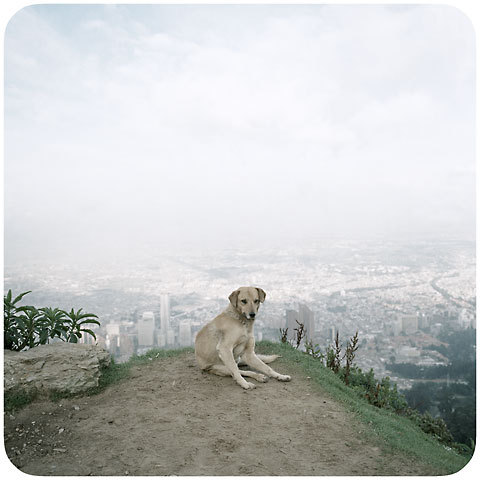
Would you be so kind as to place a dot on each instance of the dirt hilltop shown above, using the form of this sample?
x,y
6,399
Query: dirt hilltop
x,y
169,418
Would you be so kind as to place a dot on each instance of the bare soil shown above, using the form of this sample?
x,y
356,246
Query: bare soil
x,y
169,418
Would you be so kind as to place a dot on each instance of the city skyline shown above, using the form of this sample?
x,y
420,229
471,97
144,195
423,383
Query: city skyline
x,y
388,293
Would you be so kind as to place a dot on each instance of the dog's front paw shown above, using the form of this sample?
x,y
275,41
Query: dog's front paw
x,y
247,385
284,378
261,378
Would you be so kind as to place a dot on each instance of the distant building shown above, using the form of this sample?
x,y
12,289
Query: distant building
x,y
423,321
170,337
409,324
466,319
146,328
290,323
126,347
332,333
306,317
407,354
396,326
435,329
113,329
164,312
161,338
184,333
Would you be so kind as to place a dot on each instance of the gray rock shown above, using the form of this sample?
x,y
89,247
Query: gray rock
x,y
60,367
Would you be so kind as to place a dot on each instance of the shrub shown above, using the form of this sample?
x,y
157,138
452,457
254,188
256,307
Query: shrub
x,y
27,326
284,335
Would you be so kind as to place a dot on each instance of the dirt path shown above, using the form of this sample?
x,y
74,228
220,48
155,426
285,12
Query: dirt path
x,y
169,418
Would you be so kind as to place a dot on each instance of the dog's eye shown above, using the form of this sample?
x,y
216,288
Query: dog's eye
x,y
256,301
244,301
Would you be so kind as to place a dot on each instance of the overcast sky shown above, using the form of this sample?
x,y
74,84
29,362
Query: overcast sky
x,y
228,125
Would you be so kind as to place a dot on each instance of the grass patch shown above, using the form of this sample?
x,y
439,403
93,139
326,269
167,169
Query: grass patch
x,y
18,398
396,433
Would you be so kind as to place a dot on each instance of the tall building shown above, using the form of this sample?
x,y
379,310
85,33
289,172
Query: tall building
x,y
397,326
161,338
423,321
307,318
164,313
291,324
170,337
332,333
304,316
146,328
184,333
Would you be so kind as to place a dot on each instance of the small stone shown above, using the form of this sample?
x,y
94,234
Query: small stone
x,y
76,407
61,430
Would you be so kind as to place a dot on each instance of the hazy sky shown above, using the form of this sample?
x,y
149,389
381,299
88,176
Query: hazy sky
x,y
235,124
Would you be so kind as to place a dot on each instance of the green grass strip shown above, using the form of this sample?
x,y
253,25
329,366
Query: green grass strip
x,y
395,432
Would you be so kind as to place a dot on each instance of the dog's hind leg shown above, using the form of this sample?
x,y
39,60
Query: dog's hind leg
x,y
223,371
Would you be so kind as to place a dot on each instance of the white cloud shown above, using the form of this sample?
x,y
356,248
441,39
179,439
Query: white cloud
x,y
186,115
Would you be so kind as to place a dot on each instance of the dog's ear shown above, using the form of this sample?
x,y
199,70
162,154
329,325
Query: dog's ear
x,y
261,294
234,298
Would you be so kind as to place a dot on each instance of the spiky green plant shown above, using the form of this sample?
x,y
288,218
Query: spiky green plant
x,y
76,322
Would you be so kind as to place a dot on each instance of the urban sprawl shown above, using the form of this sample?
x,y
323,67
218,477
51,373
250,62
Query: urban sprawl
x,y
397,296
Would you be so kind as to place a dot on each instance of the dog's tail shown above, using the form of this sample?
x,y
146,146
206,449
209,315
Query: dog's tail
x,y
267,358
263,358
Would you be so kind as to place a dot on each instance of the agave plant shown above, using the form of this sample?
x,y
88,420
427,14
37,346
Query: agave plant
x,y
75,324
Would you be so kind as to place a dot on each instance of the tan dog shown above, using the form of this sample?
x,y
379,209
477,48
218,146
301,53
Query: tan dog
x,y
228,340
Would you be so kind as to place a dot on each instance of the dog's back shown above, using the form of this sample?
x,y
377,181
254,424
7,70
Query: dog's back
x,y
205,351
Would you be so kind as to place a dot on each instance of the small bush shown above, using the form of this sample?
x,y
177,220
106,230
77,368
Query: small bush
x,y
26,326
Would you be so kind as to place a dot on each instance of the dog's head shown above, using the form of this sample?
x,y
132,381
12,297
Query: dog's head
x,y
246,301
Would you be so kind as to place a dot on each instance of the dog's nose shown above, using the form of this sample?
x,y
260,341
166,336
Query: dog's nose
x,y
252,314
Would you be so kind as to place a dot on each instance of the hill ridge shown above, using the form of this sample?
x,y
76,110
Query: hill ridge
x,y
169,418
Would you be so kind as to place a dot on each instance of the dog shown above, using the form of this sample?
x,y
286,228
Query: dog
x,y
227,341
